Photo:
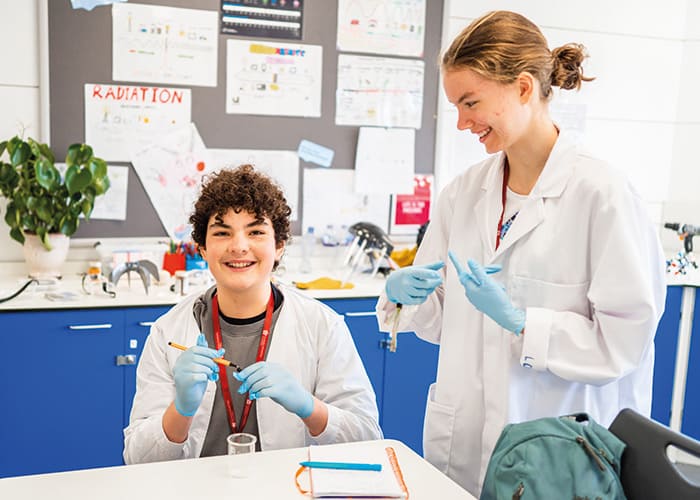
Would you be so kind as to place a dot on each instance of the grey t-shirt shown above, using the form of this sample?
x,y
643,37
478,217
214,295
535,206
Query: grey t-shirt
x,y
241,338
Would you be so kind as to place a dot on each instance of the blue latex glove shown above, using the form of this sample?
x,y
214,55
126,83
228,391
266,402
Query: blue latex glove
x,y
411,285
270,380
488,296
192,370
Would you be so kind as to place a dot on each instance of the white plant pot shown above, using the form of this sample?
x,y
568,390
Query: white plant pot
x,y
42,263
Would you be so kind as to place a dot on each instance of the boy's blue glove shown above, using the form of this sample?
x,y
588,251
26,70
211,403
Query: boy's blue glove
x,y
270,380
191,372
488,296
411,285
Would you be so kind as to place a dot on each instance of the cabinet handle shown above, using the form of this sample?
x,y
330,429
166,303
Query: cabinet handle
x,y
146,323
128,359
360,314
103,326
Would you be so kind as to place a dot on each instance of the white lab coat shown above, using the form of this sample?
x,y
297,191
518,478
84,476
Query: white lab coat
x,y
309,339
584,262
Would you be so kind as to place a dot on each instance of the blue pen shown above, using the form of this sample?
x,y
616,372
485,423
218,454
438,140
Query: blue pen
x,y
342,465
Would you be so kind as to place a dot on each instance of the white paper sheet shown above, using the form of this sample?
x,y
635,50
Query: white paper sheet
x,y
379,91
121,119
169,45
353,483
385,160
271,78
329,198
171,170
395,27
282,166
112,205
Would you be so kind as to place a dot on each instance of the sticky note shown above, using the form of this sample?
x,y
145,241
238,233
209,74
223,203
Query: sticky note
x,y
315,153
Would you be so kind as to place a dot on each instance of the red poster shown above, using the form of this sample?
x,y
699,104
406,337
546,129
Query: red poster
x,y
414,209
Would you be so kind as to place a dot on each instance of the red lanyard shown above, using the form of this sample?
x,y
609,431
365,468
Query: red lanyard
x,y
503,201
225,392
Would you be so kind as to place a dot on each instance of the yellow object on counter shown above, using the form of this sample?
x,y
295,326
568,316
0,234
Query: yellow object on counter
x,y
404,257
324,283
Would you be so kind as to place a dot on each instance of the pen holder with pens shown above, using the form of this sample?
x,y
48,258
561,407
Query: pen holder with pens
x,y
173,262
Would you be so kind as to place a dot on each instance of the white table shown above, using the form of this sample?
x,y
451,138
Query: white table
x,y
268,475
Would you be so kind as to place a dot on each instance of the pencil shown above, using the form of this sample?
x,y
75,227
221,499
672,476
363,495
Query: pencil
x,y
342,465
220,361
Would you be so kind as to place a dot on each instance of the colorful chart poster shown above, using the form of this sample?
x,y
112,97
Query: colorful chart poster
x,y
168,45
263,18
268,78
121,119
395,27
379,91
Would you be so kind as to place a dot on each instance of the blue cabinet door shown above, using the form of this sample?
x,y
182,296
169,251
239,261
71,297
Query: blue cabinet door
x,y
62,390
690,424
408,374
362,322
138,326
665,344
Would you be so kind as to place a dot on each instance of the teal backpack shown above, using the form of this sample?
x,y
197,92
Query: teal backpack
x,y
559,458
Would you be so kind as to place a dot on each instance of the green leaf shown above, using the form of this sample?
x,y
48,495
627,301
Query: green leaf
x,y
101,185
9,178
43,210
78,154
46,174
44,237
98,167
17,235
3,146
12,216
21,154
87,207
76,183
69,225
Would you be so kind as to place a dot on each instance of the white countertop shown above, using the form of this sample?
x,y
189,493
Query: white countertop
x,y
13,276
259,475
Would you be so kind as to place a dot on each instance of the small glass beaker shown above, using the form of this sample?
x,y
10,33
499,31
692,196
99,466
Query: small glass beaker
x,y
240,443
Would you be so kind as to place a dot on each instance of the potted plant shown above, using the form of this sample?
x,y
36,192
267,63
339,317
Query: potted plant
x,y
44,207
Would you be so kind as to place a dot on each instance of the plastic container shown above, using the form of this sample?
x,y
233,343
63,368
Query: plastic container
x,y
308,240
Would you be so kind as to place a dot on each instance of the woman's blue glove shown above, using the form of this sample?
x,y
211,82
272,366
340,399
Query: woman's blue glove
x,y
192,370
411,285
270,380
488,296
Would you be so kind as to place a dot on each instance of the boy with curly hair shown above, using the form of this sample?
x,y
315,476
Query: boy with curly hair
x,y
303,381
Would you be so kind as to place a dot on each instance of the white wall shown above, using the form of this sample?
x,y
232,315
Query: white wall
x,y
641,112
19,88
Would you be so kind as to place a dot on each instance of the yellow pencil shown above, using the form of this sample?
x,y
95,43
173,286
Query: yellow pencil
x,y
220,361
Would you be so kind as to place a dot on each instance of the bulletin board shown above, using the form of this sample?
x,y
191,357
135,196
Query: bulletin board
x,y
80,52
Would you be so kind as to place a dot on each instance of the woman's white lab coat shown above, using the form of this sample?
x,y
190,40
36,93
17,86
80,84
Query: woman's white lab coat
x,y
309,339
584,261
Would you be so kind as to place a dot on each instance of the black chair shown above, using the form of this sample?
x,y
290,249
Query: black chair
x,y
647,473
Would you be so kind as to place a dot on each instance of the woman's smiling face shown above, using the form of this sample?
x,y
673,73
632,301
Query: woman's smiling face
x,y
493,111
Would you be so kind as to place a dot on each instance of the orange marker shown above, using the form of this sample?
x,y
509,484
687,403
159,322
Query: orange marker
x,y
220,361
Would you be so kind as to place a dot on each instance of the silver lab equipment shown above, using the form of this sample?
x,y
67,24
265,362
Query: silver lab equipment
x,y
369,241
144,268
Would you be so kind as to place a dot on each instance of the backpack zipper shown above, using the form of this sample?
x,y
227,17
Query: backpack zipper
x,y
589,449
518,492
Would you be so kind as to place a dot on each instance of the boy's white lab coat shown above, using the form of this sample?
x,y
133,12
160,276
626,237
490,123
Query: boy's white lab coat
x,y
309,340
585,263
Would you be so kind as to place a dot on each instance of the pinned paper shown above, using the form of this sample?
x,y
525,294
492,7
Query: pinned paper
x,y
91,4
315,153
